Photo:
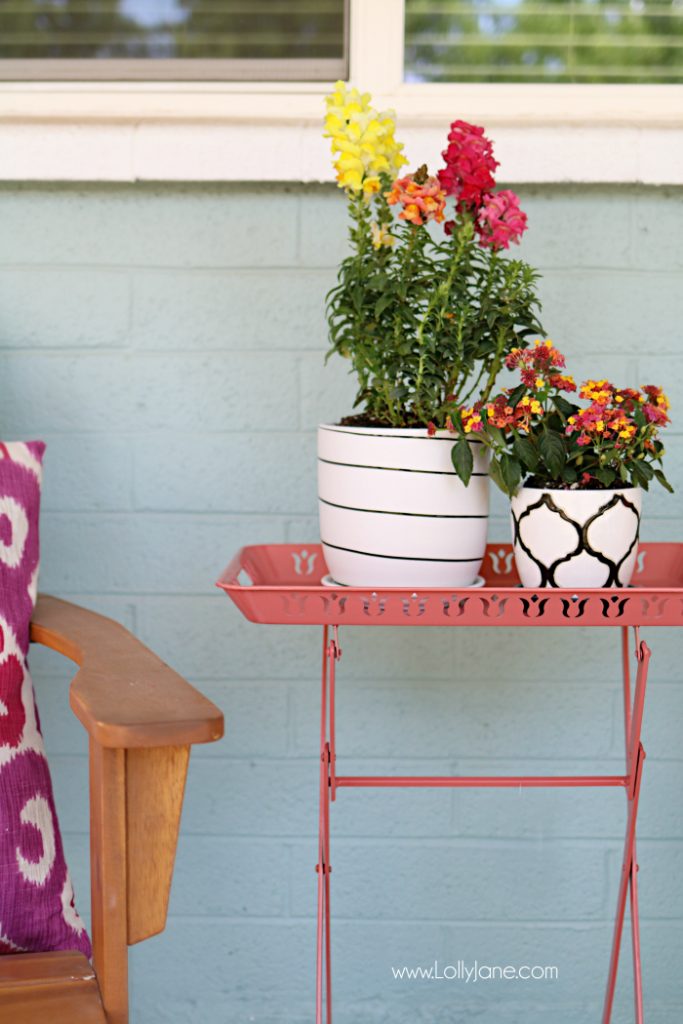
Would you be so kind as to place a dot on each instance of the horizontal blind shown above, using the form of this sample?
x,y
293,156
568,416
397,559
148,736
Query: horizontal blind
x,y
590,41
254,34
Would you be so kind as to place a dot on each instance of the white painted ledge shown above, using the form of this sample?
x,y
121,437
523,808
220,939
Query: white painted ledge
x,y
231,132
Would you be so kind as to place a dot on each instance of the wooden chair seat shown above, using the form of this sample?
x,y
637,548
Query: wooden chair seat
x,y
54,988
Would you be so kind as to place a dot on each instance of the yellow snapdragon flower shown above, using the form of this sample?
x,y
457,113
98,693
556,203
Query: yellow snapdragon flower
x,y
381,236
363,143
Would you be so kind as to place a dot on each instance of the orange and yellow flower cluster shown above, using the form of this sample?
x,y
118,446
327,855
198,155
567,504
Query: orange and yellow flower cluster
x,y
618,415
421,196
540,367
615,416
501,414
613,440
538,359
471,420
611,415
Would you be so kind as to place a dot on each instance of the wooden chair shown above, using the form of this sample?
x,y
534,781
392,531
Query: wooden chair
x,y
141,718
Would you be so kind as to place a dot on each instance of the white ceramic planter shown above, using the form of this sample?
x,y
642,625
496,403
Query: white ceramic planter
x,y
393,513
576,538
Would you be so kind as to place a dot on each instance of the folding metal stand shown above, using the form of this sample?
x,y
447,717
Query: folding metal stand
x,y
330,782
267,585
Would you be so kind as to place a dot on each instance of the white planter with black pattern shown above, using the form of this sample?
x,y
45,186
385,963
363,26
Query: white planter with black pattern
x,y
577,538
393,513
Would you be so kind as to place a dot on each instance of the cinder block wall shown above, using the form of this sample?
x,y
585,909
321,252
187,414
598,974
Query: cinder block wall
x,y
168,344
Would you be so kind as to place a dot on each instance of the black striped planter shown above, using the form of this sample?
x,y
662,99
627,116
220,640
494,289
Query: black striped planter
x,y
393,513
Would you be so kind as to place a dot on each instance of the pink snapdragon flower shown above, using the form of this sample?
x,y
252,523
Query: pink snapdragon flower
x,y
500,220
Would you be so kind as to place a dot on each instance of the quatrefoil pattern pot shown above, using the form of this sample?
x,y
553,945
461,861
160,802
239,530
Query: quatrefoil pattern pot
x,y
576,538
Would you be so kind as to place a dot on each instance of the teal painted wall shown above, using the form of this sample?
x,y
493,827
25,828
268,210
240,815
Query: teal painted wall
x,y
168,344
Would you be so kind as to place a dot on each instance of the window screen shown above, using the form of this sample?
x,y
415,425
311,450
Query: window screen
x,y
252,39
544,41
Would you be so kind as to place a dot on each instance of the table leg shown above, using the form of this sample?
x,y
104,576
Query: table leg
x,y
331,654
635,940
628,884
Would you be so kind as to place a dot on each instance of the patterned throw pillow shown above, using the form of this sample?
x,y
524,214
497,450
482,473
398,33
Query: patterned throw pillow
x,y
37,912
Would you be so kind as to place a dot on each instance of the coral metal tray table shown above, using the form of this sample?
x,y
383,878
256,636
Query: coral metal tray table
x,y
283,584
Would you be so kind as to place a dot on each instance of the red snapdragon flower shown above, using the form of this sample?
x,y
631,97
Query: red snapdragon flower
x,y
468,174
501,221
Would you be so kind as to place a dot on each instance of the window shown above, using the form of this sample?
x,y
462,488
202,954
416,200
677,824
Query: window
x,y
581,41
304,40
176,100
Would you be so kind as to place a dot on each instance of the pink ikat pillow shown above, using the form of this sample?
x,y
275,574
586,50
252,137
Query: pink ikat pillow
x,y
37,912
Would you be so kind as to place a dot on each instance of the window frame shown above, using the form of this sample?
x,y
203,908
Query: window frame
x,y
271,131
181,70
173,69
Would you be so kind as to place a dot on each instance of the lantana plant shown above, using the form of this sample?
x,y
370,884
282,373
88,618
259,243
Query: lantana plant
x,y
536,434
427,306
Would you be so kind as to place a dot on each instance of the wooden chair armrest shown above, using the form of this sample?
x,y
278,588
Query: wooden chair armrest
x,y
124,695
142,718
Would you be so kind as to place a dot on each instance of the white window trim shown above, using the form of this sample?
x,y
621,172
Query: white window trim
x,y
236,131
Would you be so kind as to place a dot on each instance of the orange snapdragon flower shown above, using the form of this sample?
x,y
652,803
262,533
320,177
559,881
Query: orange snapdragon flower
x,y
421,196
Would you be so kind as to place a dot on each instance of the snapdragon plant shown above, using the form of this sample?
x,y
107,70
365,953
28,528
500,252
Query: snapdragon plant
x,y
425,314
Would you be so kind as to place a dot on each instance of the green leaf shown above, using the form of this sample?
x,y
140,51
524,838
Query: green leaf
x,y
462,459
552,450
563,406
663,481
605,475
496,474
642,474
525,450
516,395
511,472
496,434
570,475
636,477
382,303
